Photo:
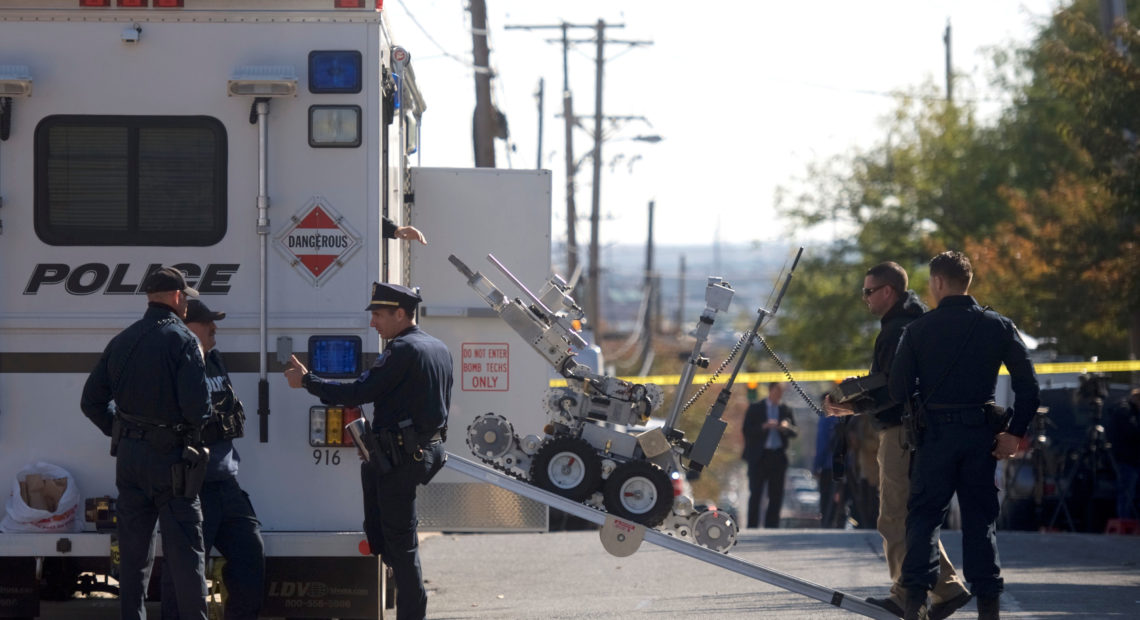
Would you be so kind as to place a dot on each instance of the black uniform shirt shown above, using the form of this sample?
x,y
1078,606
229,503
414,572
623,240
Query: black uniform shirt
x,y
929,350
410,379
892,324
163,380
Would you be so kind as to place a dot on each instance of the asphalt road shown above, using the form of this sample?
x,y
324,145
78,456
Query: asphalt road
x,y
569,575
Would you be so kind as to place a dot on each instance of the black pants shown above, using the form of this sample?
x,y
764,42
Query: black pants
x,y
390,524
831,511
954,457
143,479
767,470
230,525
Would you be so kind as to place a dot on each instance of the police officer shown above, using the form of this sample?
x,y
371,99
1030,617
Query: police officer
x,y
155,374
228,520
410,387
952,354
886,294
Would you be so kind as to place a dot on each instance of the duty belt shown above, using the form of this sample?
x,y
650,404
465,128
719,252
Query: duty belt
x,y
940,406
952,412
148,424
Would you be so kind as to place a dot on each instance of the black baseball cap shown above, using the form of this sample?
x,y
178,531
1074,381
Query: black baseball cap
x,y
386,295
167,279
198,312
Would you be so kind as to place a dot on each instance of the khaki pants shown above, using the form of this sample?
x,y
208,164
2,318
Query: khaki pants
x,y
894,491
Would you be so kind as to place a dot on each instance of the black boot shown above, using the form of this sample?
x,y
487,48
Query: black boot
x,y
988,608
915,605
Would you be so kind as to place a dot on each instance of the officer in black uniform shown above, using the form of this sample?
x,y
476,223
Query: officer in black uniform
x,y
155,374
228,520
952,354
410,387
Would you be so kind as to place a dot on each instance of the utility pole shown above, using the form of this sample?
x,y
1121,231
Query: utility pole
x,y
681,299
485,125
593,301
647,290
593,307
1110,12
570,120
949,66
539,95
568,114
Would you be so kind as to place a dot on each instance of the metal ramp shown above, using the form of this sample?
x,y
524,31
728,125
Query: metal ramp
x,y
748,569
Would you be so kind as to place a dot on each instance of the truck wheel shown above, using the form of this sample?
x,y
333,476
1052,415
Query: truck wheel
x,y
639,491
567,466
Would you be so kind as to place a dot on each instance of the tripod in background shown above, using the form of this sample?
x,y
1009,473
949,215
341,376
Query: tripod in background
x,y
1035,461
1094,455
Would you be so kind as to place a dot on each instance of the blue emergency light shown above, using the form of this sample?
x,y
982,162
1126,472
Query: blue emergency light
x,y
335,357
335,71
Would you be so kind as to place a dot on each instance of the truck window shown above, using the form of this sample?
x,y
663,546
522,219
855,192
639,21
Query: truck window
x,y
130,180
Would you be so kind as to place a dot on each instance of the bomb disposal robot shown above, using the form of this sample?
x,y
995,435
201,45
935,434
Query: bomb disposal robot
x,y
589,452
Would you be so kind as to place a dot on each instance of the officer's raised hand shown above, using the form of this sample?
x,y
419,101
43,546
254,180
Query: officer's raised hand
x,y
295,372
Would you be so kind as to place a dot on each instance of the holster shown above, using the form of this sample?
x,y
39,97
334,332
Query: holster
x,y
188,475
391,445
116,435
914,423
997,417
408,439
379,453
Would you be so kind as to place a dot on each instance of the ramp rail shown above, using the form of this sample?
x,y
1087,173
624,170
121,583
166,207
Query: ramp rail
x,y
737,565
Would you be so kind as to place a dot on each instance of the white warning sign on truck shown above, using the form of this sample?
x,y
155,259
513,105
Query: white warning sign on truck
x,y
317,241
486,367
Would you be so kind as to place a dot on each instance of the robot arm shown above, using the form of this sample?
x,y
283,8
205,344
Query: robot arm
x,y
548,332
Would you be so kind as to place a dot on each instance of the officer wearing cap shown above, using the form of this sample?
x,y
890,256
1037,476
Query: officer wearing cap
x,y
228,520
155,374
410,388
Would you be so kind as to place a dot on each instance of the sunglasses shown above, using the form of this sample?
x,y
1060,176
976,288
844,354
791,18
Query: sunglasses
x,y
867,292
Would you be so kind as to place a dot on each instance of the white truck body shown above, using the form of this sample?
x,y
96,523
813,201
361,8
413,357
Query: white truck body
x,y
66,288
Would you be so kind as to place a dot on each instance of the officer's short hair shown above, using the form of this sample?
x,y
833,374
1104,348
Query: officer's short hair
x,y
954,267
892,274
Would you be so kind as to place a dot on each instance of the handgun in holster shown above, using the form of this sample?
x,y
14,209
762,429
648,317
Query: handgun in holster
x,y
189,474
379,450
409,440
116,435
913,423
997,417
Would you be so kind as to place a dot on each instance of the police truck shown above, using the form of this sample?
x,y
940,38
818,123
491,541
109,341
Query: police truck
x,y
256,145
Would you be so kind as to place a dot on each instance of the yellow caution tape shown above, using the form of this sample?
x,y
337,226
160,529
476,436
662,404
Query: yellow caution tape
x,y
839,375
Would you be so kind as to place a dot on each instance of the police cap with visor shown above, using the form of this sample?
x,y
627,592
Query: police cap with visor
x,y
167,279
198,312
392,296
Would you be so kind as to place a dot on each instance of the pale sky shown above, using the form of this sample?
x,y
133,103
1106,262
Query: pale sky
x,y
744,95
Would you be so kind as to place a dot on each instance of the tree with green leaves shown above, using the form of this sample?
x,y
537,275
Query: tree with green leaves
x,y
1045,199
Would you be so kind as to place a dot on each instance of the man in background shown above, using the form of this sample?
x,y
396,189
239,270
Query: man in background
x,y
768,426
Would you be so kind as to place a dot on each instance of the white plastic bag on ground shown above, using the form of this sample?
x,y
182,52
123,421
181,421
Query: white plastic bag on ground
x,y
23,518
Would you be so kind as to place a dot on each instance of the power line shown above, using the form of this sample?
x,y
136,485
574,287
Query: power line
x,y
446,54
